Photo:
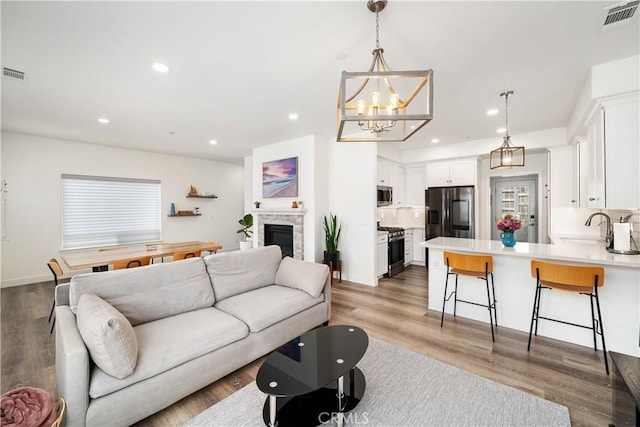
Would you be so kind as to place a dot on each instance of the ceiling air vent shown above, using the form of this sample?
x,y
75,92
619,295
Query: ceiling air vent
x,y
618,15
14,74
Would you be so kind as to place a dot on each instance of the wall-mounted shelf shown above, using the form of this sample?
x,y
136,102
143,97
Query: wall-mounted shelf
x,y
198,196
194,214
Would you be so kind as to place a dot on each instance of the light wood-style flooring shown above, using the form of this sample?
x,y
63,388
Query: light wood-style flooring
x,y
395,312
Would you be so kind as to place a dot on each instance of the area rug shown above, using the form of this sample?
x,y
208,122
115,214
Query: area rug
x,y
405,388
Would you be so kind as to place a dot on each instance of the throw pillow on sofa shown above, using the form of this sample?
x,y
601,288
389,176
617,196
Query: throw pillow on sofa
x,y
108,335
303,275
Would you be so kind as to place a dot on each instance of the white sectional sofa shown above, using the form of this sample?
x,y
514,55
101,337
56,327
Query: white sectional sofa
x,y
132,342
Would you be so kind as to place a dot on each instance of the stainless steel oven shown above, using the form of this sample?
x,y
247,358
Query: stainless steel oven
x,y
396,249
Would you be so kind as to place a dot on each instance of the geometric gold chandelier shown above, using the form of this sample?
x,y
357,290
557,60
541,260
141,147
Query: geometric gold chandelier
x,y
380,105
507,155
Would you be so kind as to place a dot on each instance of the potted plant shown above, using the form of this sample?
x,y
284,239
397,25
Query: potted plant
x,y
246,222
331,239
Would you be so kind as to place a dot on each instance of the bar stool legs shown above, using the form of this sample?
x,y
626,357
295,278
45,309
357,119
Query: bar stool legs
x,y
587,281
477,266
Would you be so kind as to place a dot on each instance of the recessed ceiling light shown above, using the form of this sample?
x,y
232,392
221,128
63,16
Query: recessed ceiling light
x,y
413,127
293,116
213,142
161,68
492,112
435,140
103,120
501,130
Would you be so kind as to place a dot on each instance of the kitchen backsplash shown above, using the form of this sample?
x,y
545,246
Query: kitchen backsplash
x,y
401,217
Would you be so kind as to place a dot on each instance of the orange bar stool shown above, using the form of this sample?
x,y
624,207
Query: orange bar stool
x,y
479,266
584,280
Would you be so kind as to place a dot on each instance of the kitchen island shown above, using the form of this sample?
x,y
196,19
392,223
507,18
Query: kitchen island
x,y
515,289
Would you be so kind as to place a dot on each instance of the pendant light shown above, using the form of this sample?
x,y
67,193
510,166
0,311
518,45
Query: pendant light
x,y
381,105
508,155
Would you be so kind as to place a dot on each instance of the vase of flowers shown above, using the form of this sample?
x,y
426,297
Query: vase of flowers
x,y
508,225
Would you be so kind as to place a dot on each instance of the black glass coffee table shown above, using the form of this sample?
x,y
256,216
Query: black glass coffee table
x,y
313,379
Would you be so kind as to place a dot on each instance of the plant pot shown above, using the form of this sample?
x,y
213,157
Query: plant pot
x,y
246,245
508,239
332,257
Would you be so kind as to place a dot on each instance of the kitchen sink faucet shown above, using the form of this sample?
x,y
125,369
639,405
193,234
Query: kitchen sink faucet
x,y
609,237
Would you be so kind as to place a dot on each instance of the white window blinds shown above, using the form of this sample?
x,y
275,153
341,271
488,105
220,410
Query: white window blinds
x,y
101,211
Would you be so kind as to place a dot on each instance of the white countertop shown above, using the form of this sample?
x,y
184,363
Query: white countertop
x,y
570,252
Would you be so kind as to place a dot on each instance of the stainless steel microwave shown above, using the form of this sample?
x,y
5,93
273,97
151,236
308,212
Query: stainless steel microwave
x,y
385,195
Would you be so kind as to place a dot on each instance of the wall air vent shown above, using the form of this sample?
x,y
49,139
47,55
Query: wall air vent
x,y
620,14
14,74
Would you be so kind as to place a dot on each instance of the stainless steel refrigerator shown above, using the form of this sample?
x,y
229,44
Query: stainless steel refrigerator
x,y
449,212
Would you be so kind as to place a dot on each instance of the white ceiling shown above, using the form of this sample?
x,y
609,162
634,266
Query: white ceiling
x,y
239,68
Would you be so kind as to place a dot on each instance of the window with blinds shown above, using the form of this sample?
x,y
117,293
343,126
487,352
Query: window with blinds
x,y
102,211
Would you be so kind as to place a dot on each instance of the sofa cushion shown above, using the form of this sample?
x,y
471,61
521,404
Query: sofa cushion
x,y
169,342
108,335
148,293
261,308
306,276
236,272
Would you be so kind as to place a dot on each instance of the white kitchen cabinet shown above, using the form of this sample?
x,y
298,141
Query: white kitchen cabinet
x,y
612,153
391,174
415,178
595,171
418,251
447,174
562,177
408,246
383,173
382,250
582,168
398,185
622,145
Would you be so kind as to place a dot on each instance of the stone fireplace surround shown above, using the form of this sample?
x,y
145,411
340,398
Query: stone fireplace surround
x,y
291,216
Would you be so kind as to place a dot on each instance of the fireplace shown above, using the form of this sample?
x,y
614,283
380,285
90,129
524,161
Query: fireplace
x,y
281,235
293,218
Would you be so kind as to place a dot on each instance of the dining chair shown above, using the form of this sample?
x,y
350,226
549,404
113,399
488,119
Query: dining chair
x,y
132,263
57,272
479,266
183,255
583,280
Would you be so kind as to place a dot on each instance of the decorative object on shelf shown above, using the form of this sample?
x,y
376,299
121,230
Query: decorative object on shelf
x,y
294,204
508,225
196,210
257,204
246,222
508,155
389,116
280,178
172,209
300,202
331,239
193,191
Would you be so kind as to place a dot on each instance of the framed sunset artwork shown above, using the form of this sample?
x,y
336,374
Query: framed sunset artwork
x,y
280,178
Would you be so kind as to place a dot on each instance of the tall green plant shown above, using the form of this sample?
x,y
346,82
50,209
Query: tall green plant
x,y
331,233
246,222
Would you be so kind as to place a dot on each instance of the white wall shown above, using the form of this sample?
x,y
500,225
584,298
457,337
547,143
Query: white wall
x,y
32,167
305,150
353,168
337,178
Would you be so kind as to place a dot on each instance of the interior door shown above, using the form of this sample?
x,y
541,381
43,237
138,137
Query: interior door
x,y
516,196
